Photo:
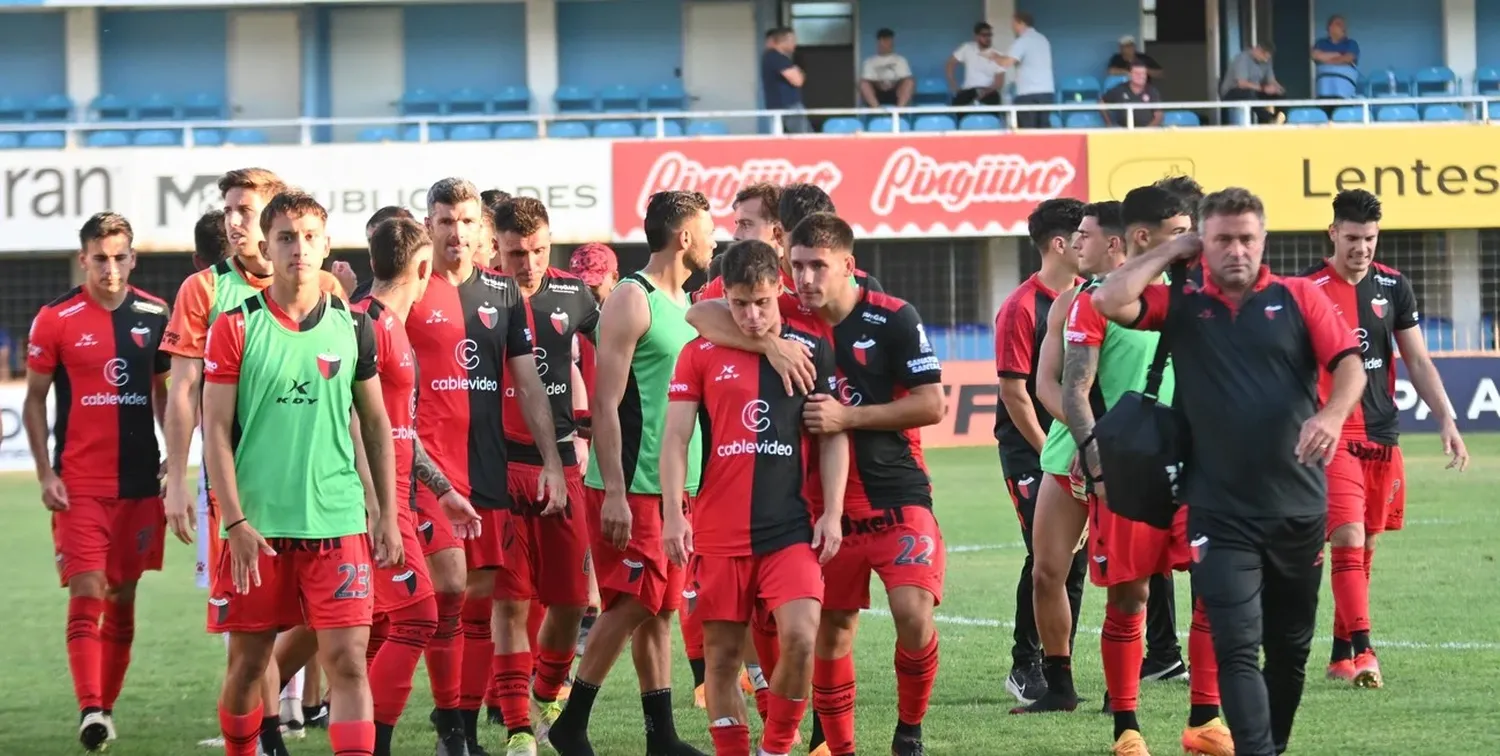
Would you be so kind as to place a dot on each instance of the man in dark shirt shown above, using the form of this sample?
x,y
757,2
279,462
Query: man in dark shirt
x,y
1135,91
781,79
1121,62
1248,348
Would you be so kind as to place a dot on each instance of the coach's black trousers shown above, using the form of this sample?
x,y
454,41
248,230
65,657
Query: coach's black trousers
x,y
1026,647
1161,621
1258,579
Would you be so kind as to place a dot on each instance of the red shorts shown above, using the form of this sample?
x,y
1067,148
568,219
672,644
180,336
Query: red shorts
x,y
487,550
1069,486
324,584
408,584
123,538
1366,484
1122,550
741,589
641,569
904,546
434,531
546,558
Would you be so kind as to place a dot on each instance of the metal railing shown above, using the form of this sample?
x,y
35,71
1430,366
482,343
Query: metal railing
x,y
310,131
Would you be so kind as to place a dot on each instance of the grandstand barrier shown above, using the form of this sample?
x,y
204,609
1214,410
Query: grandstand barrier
x,y
15,454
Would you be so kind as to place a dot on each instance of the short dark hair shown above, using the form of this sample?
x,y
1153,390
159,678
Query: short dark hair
x,y
388,212
1267,45
493,197
395,242
101,226
982,27
521,216
1054,218
1232,201
799,201
1151,205
1356,206
750,263
666,212
885,34
451,191
769,196
210,242
1025,18
778,32
1185,187
293,203
258,180
1108,215
823,231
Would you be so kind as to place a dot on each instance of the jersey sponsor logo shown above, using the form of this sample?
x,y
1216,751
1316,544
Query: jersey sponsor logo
x,y
540,355
140,335
221,608
115,373
407,579
550,389
403,433
726,373
755,416
1271,311
1384,280
467,354
498,284
1377,305
437,316
677,388
407,360
564,288
296,393
1374,363
800,339
34,351
114,400
1364,339
923,346
209,366
923,365
1024,486
86,340
328,365
765,448
847,394
149,308
559,321
488,315
465,384
872,317
1074,337
862,350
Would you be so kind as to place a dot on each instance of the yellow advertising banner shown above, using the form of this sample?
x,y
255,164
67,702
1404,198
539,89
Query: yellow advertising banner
x,y
1428,177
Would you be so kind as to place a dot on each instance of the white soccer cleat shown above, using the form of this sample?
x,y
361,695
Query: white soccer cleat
x,y
93,732
109,724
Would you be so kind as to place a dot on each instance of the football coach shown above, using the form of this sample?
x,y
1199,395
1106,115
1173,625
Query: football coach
x,y
1247,347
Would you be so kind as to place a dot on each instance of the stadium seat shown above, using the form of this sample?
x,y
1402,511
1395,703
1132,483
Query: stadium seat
x,y
980,122
246,137
1444,112
1181,118
113,138
52,108
516,130
109,107
12,110
511,99
1396,114
1389,83
934,123
420,102
1439,334
1083,119
615,129
568,130
931,90
471,132
208,137
435,133
467,101
1487,80
45,140
707,128
1054,121
1434,81
1349,114
886,124
1306,116
669,128
668,95
1494,111
843,125
158,138
156,107
378,134
571,98
1079,89
1114,80
203,106
10,140
619,98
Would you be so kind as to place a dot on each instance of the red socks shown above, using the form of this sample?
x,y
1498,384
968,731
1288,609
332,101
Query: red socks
x,y
782,721
730,740
1203,665
444,653
552,668
352,738
1369,558
116,636
833,700
692,634
1122,648
534,619
915,673
767,647
84,650
379,629
241,732
408,631
479,650
1351,591
511,681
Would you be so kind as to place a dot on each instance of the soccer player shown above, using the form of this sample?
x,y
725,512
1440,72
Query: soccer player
x,y
282,373
210,243
484,254
754,548
1022,429
1366,481
470,332
545,556
595,263
642,329
1248,348
890,384
98,344
358,291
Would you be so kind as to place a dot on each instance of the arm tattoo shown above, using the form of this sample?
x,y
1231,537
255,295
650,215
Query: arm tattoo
x,y
1080,364
427,472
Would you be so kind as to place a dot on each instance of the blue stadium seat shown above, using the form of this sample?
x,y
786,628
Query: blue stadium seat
x,y
1349,114
471,132
843,125
156,107
420,102
886,124
158,138
1180,118
110,107
516,130
668,95
568,130
467,101
669,128
1487,80
45,140
934,123
435,133
1055,121
10,140
511,99
1083,119
246,137
1444,112
1494,111
203,106
1306,116
931,90
1079,89
113,138
378,134
980,122
1388,84
707,128
619,98
1434,81
571,98
1438,333
208,137
1114,80
52,108
615,129
12,110
1396,114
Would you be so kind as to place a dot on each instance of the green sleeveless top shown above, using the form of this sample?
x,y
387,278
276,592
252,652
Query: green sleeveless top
x,y
293,458
1124,360
231,289
643,408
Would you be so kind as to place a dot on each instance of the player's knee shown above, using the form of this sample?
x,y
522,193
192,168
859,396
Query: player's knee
x,y
447,571
1370,539
835,637
796,645
480,584
1348,536
123,593
1130,598
1048,575
511,616
344,664
88,585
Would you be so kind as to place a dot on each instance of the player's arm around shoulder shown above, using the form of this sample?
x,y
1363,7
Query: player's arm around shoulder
x,y
790,359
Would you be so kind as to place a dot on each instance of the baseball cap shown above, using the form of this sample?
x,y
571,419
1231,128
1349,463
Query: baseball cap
x,y
593,262
1127,40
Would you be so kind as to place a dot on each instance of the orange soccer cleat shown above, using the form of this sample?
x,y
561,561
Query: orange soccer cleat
x,y
1130,743
1209,739
746,684
1367,670
1343,669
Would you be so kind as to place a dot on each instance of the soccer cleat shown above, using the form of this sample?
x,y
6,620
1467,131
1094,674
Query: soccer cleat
x,y
566,690
93,733
109,723
907,745
1209,739
493,716
475,749
294,730
521,744
746,683
546,716
316,716
1049,702
821,750
700,698
1342,670
1367,670
1130,743
452,744
1026,684
1152,670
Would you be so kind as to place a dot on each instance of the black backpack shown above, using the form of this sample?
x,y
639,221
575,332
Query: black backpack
x,y
1142,443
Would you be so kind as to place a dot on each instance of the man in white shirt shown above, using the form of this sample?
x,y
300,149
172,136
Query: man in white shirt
x,y
1031,54
983,76
885,78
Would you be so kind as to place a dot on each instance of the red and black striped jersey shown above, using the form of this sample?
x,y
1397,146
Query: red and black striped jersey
x,y
1020,326
103,365
562,308
396,365
755,449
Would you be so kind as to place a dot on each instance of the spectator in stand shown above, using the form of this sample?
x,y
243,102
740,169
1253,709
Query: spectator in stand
x,y
983,76
1121,62
1337,59
1031,55
1137,89
1250,78
886,77
781,79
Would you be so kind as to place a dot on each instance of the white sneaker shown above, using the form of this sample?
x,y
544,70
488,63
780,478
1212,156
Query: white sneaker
x,y
217,742
109,724
93,732
291,710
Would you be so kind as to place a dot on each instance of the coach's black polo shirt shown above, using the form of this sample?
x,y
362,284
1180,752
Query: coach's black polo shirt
x,y
1247,379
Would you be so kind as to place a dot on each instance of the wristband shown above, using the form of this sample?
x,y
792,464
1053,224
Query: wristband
x,y
234,524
